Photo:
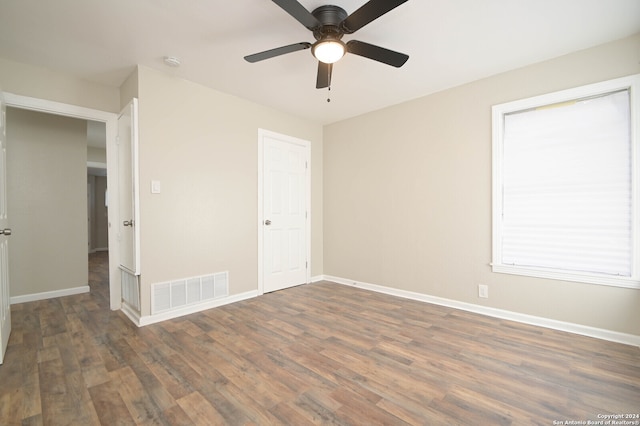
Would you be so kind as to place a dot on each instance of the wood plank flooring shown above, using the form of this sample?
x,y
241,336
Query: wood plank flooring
x,y
314,354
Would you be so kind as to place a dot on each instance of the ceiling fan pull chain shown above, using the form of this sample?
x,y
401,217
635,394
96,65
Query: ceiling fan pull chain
x,y
329,94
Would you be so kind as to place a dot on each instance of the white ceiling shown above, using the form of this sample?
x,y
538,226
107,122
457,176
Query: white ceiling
x,y
450,42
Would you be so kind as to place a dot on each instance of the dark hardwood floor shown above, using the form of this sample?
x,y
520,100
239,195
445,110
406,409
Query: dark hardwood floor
x,y
314,354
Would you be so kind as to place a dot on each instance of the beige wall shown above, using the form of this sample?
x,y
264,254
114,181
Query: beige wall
x,y
406,190
27,80
407,196
47,201
129,89
96,155
202,145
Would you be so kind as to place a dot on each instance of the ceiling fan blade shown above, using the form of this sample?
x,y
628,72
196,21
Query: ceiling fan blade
x,y
369,11
299,12
324,75
256,57
377,53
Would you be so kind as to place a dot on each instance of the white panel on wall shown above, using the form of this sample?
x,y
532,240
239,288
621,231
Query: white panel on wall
x,y
130,289
193,290
178,293
208,288
161,297
221,284
190,291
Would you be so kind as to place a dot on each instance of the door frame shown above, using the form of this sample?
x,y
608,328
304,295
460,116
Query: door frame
x,y
262,133
111,123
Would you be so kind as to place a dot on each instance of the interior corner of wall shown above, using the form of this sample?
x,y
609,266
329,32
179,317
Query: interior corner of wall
x,y
130,87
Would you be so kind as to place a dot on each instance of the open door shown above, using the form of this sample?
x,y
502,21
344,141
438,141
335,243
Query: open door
x,y
5,305
129,230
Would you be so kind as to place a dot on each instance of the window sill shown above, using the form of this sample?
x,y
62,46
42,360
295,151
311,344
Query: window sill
x,y
599,279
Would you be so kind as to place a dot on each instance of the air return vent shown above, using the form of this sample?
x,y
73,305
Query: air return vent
x,y
130,290
178,294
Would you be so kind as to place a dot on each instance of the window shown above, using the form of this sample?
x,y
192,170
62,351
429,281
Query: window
x,y
566,184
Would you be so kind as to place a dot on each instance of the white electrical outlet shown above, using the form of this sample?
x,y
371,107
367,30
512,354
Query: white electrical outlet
x,y
483,291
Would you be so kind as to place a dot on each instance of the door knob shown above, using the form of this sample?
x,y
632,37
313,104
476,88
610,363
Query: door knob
x,y
6,231
267,222
128,222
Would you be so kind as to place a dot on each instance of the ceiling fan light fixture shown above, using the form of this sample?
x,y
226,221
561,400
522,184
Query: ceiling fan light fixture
x,y
329,51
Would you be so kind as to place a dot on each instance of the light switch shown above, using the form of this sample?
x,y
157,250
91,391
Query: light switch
x,y
155,186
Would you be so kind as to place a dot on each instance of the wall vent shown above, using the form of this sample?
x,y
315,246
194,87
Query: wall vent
x,y
177,294
130,289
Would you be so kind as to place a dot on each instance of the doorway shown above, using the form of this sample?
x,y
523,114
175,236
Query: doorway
x,y
97,194
284,201
46,197
109,121
97,208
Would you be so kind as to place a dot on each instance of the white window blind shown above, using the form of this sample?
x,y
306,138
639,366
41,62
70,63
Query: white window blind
x,y
567,186
565,190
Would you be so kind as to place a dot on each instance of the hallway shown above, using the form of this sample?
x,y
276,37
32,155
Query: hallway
x,y
99,275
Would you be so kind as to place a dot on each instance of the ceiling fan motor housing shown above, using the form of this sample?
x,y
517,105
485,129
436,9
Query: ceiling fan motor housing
x,y
330,17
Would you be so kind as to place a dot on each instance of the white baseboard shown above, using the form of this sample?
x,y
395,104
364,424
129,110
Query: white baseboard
x,y
49,294
152,319
317,278
131,313
598,333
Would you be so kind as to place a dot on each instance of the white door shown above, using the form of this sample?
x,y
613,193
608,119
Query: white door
x,y
5,308
285,211
128,235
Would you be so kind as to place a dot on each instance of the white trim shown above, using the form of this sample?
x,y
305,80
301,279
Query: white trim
x,y
632,83
599,279
260,212
131,313
49,294
262,133
152,319
598,333
96,165
317,278
111,124
57,108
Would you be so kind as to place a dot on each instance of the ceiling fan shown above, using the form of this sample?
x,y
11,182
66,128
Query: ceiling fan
x,y
328,24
